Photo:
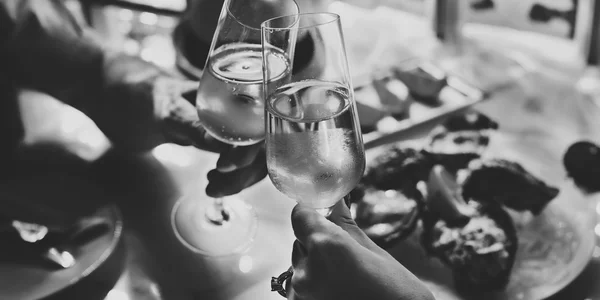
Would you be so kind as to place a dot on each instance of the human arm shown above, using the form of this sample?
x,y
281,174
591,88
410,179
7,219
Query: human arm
x,y
336,260
134,103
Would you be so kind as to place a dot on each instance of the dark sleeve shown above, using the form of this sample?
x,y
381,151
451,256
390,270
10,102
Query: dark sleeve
x,y
43,47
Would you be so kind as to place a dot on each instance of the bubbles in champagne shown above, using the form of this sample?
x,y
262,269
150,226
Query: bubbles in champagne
x,y
314,149
229,100
242,62
243,66
310,101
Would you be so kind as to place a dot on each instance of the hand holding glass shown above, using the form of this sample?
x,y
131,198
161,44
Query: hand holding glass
x,y
230,106
315,153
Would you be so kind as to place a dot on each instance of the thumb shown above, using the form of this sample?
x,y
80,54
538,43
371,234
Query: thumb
x,y
307,223
189,87
341,216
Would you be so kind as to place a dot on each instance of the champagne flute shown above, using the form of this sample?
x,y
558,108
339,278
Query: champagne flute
x,y
315,152
230,106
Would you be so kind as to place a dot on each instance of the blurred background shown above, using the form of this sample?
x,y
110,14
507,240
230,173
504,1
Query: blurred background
x,y
531,65
138,26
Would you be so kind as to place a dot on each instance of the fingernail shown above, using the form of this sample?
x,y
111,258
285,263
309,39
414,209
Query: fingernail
x,y
213,191
226,168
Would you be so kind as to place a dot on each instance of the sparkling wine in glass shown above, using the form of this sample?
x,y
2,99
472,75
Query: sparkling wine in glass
x,y
315,152
229,100
314,148
230,106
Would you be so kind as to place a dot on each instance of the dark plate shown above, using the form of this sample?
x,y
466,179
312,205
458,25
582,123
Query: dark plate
x,y
99,263
554,247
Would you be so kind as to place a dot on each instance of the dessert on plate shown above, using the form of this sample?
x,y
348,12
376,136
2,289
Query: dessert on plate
x,y
477,241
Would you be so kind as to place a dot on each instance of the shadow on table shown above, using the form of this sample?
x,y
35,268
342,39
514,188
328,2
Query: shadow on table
x,y
148,192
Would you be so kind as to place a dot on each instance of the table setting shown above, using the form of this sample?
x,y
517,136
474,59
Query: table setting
x,y
464,168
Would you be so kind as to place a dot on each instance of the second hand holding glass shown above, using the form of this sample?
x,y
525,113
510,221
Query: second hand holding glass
x,y
230,106
315,152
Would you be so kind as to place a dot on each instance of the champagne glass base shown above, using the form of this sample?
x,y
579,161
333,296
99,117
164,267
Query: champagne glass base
x,y
201,235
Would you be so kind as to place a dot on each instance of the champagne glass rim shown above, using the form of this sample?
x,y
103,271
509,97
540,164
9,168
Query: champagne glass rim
x,y
233,16
333,17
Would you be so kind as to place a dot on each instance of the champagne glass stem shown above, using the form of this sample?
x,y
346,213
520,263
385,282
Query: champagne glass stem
x,y
217,213
326,212
314,146
230,107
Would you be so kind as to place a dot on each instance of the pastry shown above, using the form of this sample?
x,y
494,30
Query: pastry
x,y
459,140
397,168
507,183
456,149
477,241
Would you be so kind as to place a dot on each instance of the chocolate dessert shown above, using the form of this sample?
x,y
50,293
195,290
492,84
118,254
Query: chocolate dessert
x,y
476,240
507,183
459,140
397,168
455,150
469,121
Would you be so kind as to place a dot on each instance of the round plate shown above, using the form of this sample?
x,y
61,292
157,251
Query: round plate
x,y
99,263
554,247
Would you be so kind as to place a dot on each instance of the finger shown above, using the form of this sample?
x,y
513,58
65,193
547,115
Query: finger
x,y
298,283
189,90
239,157
183,127
297,286
341,216
299,254
306,222
188,86
192,134
222,184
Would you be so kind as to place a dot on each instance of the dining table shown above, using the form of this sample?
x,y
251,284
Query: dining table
x,y
541,112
